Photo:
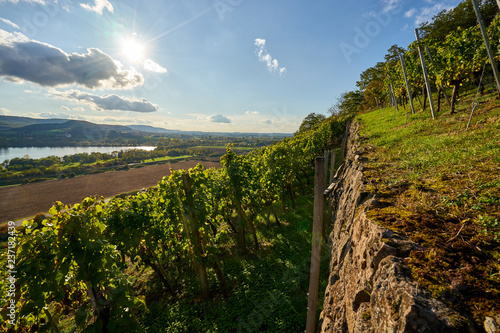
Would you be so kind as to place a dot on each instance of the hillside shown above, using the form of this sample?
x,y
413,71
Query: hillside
x,y
205,250
72,125
28,132
9,122
429,192
422,184
31,132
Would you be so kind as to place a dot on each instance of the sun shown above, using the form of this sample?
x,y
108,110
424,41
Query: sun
x,y
133,50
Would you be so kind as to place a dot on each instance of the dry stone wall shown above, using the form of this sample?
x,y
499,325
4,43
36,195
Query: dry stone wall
x,y
370,287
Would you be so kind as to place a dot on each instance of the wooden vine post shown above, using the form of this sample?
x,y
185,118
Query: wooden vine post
x,y
344,142
195,237
426,77
396,109
327,160
332,165
326,157
328,219
342,150
487,43
440,86
391,98
319,204
402,58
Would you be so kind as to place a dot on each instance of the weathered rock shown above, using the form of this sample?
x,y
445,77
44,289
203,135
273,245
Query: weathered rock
x,y
490,325
370,288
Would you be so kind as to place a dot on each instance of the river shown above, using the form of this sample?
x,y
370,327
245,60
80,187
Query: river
x,y
40,152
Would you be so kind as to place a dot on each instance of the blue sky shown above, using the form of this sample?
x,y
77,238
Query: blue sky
x,y
215,65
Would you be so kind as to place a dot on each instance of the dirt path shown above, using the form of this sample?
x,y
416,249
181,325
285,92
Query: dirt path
x,y
18,202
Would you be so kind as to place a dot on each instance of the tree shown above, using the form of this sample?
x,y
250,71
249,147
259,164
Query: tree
x,y
347,104
371,74
462,16
371,84
310,122
374,95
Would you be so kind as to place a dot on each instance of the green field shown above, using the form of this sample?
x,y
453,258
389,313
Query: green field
x,y
224,147
166,158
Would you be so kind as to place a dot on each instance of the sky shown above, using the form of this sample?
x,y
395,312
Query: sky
x,y
196,65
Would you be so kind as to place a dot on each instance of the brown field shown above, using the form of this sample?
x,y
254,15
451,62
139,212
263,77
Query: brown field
x,y
18,202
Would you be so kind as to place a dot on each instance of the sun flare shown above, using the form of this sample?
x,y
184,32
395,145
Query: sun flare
x,y
133,50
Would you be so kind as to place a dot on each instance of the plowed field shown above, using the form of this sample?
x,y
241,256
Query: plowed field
x,y
18,202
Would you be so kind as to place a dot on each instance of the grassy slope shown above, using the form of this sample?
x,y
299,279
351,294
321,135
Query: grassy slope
x,y
441,185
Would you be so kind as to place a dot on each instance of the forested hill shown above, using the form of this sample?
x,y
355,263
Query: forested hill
x,y
9,122
27,132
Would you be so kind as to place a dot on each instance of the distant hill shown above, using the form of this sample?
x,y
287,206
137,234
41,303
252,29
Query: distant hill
x,y
31,132
151,129
158,130
72,126
9,122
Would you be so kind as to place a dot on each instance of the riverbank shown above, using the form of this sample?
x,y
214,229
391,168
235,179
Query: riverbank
x,y
18,202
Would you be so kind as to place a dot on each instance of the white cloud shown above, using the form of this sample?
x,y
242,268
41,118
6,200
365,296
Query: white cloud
x,y
65,108
106,102
426,14
410,13
121,120
4,111
391,5
79,109
251,112
264,56
152,66
260,42
282,71
9,22
22,58
52,115
370,14
267,122
99,6
218,118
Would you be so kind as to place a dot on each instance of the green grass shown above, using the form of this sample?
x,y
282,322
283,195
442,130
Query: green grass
x,y
166,158
224,147
440,185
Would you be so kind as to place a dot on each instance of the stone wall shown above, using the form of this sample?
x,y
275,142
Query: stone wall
x,y
370,287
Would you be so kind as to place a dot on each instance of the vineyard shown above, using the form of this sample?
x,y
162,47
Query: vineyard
x,y
221,250
433,160
455,57
110,265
